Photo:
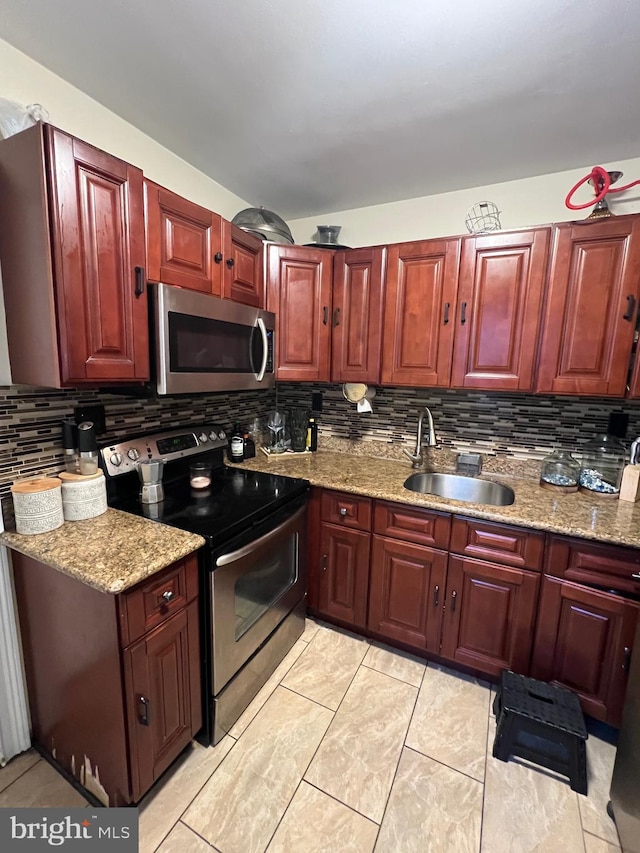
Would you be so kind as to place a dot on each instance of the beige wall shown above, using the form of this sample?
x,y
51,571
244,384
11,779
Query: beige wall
x,y
27,82
531,201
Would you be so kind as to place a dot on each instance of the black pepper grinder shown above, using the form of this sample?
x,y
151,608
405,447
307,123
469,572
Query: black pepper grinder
x,y
87,448
69,449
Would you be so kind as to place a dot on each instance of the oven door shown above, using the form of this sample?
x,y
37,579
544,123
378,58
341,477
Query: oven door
x,y
204,343
253,587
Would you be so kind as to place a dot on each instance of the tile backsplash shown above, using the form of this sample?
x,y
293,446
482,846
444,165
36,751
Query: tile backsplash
x,y
500,424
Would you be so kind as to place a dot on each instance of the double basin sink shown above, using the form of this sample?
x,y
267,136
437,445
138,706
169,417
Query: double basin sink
x,y
460,488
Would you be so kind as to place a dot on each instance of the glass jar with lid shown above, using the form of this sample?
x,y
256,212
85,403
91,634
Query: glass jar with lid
x,y
603,461
560,472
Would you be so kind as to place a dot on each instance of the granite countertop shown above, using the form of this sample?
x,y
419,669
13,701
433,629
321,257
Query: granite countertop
x,y
111,552
573,514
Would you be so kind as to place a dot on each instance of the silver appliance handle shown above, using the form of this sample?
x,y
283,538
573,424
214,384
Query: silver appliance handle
x,y
265,349
234,556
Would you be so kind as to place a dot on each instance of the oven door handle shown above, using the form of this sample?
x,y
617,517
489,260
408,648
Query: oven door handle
x,y
234,556
265,349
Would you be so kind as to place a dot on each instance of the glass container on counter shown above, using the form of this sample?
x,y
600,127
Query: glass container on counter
x,y
560,472
603,460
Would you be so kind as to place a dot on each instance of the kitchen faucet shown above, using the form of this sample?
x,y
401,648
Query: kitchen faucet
x,y
417,456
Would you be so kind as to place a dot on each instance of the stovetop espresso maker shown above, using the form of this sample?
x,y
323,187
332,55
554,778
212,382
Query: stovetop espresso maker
x,y
150,473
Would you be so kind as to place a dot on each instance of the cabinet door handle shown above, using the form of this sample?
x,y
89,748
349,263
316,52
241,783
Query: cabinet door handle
x,y
631,304
463,313
636,576
168,595
626,660
445,319
336,316
323,562
454,596
230,262
140,281
143,716
436,595
325,315
218,257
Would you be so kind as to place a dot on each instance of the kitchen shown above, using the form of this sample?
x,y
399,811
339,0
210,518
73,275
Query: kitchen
x,y
506,421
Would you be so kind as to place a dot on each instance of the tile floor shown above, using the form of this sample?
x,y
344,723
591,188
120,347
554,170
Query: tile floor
x,y
352,747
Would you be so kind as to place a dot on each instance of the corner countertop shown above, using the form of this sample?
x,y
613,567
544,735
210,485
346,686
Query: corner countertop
x,y
575,514
112,552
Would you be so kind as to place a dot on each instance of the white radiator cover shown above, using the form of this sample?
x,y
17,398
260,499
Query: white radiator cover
x,y
14,713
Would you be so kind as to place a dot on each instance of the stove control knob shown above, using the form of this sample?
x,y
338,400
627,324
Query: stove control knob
x,y
116,459
222,435
133,454
203,438
213,435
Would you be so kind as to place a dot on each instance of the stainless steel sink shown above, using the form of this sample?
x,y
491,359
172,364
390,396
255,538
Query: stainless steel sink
x,y
461,488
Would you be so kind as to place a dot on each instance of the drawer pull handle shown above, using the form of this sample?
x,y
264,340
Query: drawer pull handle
x,y
168,595
436,595
636,576
343,511
627,658
143,717
454,596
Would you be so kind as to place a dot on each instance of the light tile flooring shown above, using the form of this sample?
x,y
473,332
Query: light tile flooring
x,y
351,748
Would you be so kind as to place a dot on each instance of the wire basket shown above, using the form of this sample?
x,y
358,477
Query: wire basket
x,y
482,217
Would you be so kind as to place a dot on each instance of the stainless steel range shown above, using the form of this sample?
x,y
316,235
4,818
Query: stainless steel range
x,y
252,568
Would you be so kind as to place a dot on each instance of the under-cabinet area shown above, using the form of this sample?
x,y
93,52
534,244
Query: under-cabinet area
x,y
478,594
113,680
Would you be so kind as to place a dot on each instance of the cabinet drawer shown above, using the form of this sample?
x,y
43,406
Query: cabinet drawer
x,y
422,526
592,563
511,546
154,600
346,510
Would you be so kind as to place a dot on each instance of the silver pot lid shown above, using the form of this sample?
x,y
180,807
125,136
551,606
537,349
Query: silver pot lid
x,y
263,223
328,237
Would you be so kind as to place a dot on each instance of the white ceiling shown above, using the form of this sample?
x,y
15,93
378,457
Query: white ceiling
x,y
312,106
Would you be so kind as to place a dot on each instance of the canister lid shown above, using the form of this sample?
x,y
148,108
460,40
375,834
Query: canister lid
x,y
35,484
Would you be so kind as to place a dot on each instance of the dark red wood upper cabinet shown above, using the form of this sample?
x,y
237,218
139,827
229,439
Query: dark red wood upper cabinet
x,y
499,302
406,592
183,242
358,292
420,312
590,316
98,244
489,615
583,641
243,265
299,293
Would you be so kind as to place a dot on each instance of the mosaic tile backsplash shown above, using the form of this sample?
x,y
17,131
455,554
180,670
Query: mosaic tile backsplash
x,y
499,424
517,425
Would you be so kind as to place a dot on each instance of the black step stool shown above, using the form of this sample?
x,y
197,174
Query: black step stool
x,y
541,723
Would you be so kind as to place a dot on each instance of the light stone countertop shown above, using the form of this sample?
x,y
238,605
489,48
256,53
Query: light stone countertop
x,y
111,552
573,514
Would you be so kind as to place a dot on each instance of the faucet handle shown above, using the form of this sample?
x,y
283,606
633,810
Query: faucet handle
x,y
416,459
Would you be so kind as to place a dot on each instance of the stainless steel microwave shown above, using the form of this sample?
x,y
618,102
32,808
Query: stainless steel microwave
x,y
203,343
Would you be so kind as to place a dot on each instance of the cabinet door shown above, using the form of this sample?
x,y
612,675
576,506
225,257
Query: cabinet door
x,y
99,258
583,641
420,312
488,617
590,314
299,292
162,673
499,301
243,266
358,284
344,574
183,242
406,592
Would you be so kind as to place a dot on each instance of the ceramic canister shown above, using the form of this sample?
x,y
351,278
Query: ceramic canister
x,y
83,496
37,504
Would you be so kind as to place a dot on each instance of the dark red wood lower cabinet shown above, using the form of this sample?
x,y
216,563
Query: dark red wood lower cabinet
x,y
583,641
406,592
489,615
344,574
162,696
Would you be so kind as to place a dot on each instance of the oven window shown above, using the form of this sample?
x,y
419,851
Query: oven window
x,y
258,589
203,345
